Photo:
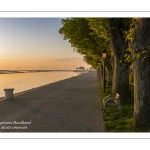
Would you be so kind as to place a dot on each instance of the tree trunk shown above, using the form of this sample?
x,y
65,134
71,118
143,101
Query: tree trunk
x,y
109,78
102,85
98,72
141,93
141,68
120,80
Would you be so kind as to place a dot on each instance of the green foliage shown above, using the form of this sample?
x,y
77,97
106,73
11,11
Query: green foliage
x,y
129,33
89,36
91,61
142,54
83,38
131,77
128,56
103,26
100,28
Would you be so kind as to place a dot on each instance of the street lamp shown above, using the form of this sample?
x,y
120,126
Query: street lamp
x,y
100,72
98,69
104,54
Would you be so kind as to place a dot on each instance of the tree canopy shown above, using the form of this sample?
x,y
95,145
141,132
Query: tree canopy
x,y
82,38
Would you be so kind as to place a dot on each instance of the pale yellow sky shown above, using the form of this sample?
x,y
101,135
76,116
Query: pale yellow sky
x,y
53,64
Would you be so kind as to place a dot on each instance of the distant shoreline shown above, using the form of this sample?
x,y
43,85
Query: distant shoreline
x,y
35,71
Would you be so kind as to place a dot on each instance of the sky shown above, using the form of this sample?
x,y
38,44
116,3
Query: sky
x,y
35,43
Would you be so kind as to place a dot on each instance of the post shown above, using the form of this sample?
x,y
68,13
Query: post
x,y
104,54
8,93
98,72
102,76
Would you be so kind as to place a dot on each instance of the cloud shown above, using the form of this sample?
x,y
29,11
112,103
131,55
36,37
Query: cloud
x,y
68,59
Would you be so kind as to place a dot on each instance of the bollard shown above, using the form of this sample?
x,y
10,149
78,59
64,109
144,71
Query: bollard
x,y
8,93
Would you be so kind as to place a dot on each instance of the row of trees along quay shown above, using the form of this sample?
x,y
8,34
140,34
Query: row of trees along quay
x,y
127,43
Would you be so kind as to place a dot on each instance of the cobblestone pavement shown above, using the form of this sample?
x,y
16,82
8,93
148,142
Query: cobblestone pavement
x,y
70,105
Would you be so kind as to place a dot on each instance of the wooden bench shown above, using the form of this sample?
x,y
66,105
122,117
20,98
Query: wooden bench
x,y
112,101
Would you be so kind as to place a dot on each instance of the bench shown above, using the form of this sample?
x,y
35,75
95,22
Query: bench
x,y
112,101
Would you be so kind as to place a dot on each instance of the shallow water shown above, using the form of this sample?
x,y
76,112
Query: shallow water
x,y
25,81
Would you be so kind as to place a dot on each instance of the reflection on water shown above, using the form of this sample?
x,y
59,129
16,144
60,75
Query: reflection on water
x,y
24,81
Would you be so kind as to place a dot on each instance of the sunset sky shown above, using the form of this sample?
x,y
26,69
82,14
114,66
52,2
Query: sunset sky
x,y
34,43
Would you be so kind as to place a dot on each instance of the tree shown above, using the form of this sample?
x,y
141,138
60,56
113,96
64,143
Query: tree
x,y
140,49
82,38
112,30
91,61
81,68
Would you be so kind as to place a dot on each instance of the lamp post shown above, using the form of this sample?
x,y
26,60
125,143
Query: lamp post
x,y
99,69
104,54
100,74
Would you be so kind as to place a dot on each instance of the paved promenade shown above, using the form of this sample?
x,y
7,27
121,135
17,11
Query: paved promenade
x,y
70,105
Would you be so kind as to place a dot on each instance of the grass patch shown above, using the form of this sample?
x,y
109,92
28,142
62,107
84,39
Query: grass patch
x,y
114,121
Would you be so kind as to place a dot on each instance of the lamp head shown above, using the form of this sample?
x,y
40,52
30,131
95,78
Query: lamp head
x,y
104,53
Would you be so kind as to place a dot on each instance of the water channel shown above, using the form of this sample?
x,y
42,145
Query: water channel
x,y
25,81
